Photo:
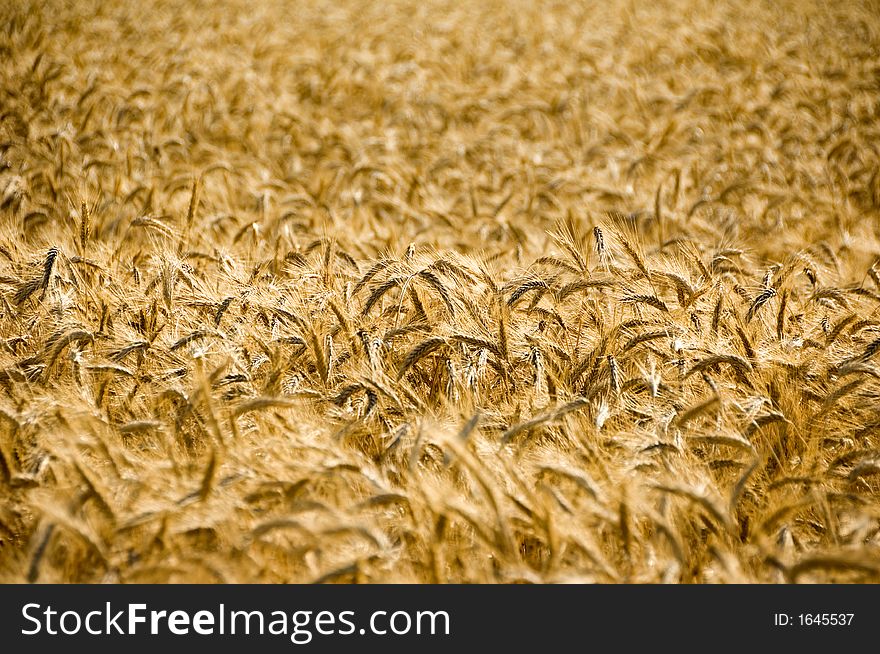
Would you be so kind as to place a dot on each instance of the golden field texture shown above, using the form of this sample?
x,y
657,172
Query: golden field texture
x,y
439,292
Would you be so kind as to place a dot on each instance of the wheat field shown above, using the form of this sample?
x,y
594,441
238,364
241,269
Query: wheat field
x,y
429,291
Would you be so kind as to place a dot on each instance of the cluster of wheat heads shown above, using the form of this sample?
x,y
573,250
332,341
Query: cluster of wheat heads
x,y
439,292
